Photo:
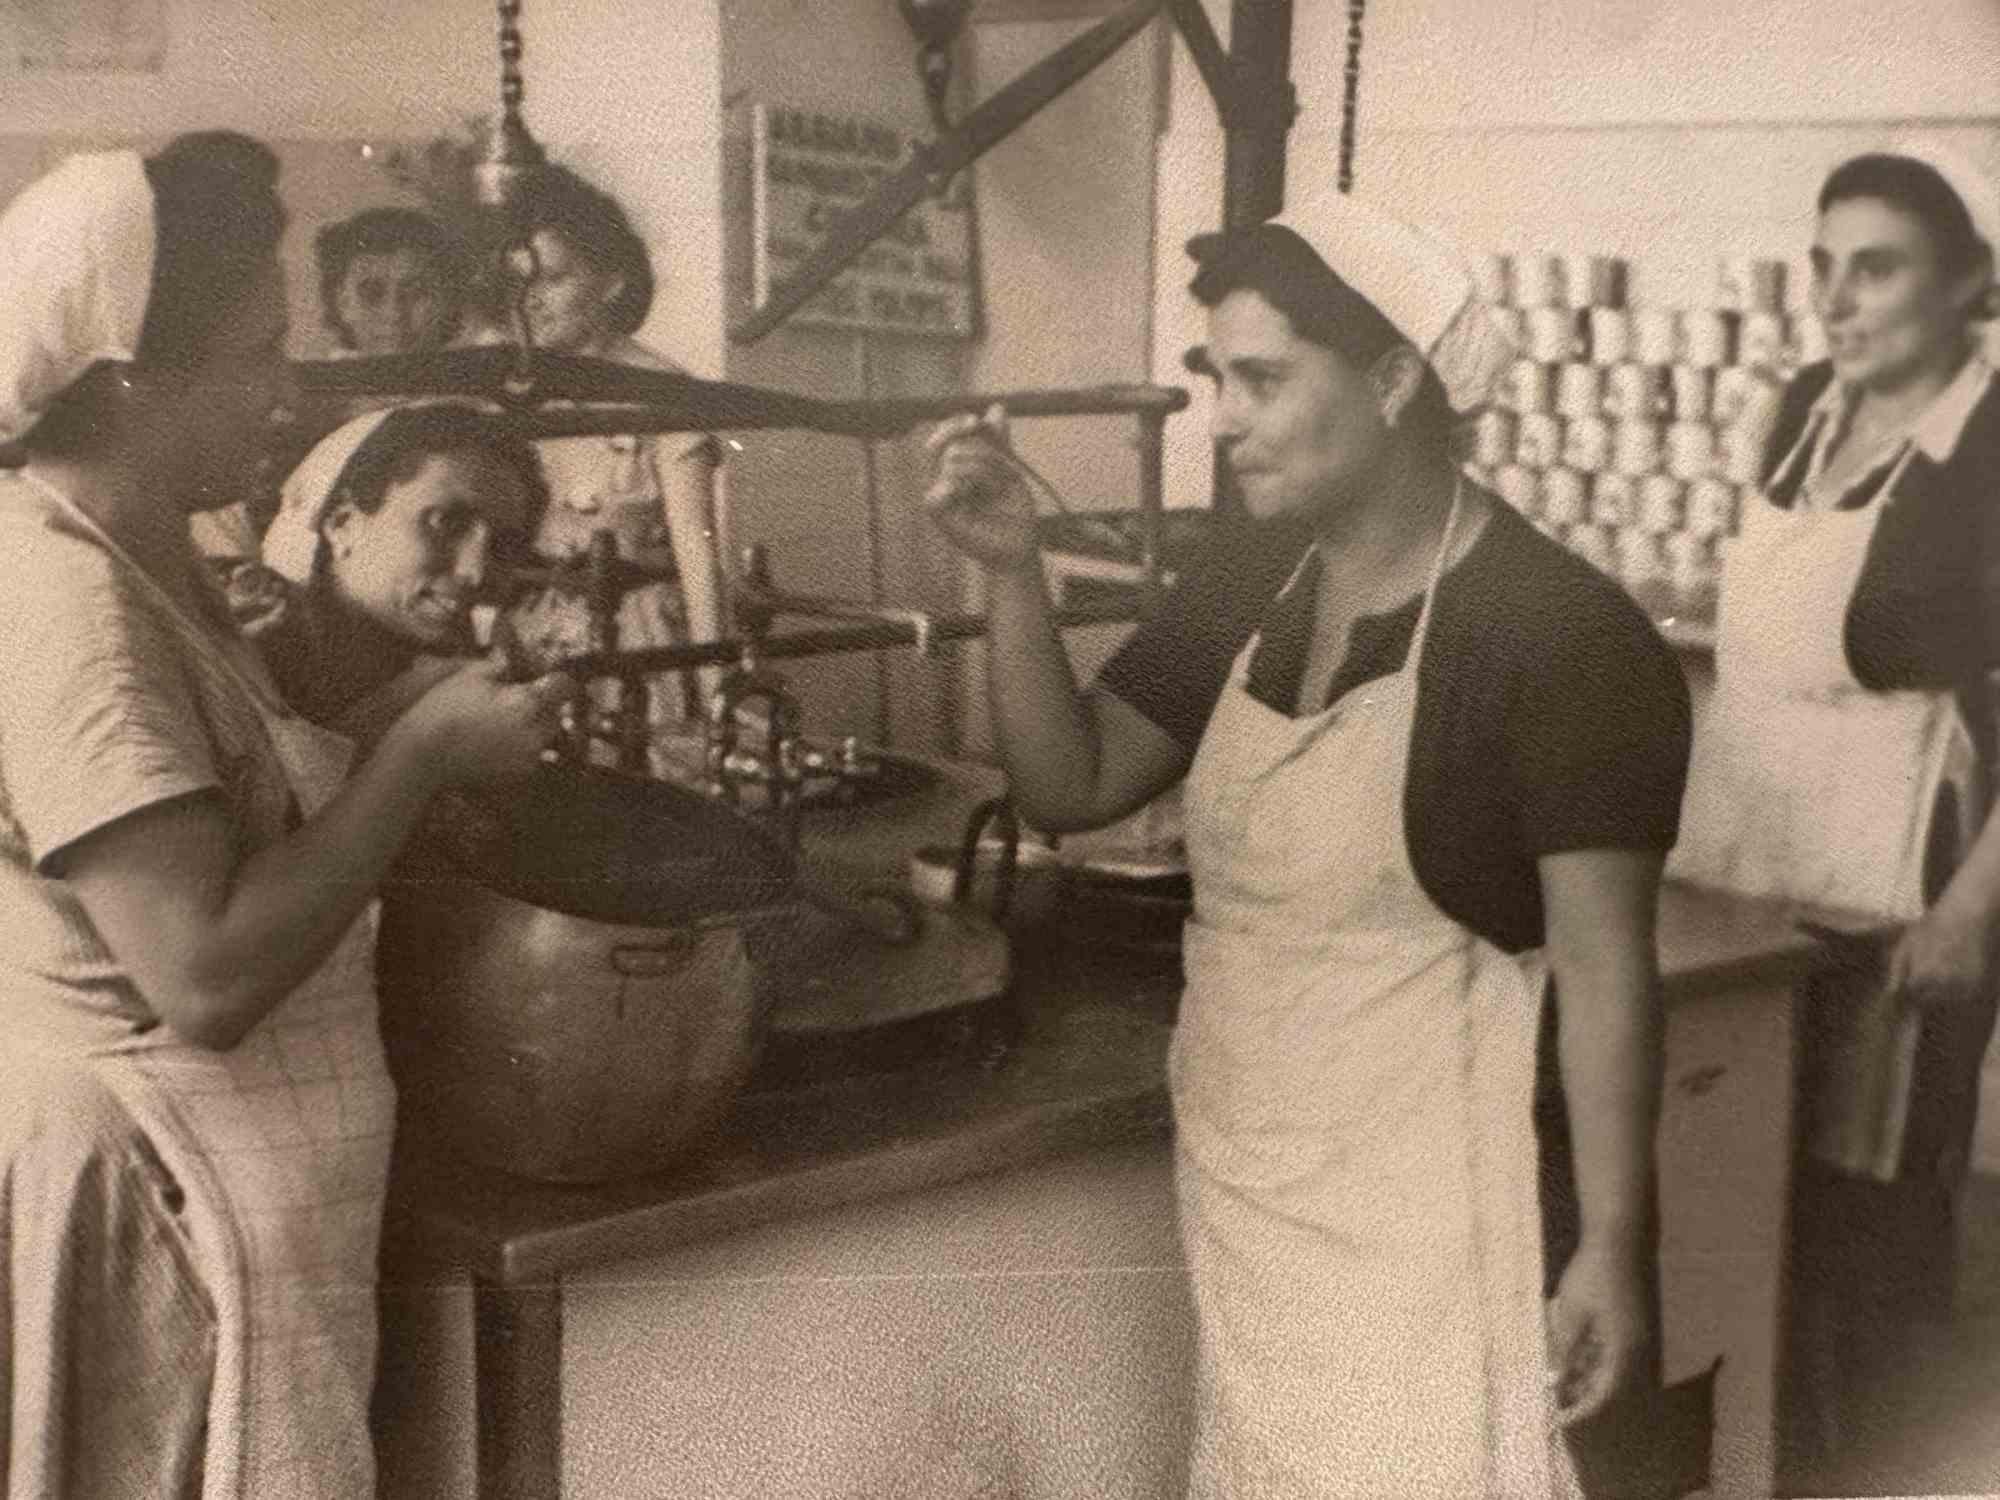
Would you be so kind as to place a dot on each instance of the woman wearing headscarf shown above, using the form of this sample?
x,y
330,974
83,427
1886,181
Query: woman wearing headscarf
x,y
588,287
194,1112
1433,764
392,530
1849,758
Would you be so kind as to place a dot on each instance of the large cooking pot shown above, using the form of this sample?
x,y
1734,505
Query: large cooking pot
x,y
571,973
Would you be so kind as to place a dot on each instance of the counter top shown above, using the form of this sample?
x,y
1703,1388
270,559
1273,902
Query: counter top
x,y
1082,1062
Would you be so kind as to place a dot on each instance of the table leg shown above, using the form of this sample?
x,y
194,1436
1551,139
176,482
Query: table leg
x,y
517,1362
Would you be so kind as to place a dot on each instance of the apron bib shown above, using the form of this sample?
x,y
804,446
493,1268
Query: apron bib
x,y
281,1147
1352,1078
1805,785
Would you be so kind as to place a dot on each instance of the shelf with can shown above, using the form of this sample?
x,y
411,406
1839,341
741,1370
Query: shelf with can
x,y
1635,434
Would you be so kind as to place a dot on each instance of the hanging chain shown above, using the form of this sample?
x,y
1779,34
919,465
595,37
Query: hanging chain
x,y
512,140
512,86
1350,103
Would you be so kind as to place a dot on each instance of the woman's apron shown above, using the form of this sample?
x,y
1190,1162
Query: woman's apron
x,y
281,1148
1807,786
1353,1077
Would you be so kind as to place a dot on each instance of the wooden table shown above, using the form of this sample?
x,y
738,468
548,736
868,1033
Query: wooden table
x,y
1085,1068
1082,1064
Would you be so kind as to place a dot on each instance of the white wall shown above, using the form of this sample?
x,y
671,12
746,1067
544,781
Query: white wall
x,y
1027,1335
1671,134
1065,247
803,494
1066,213
623,90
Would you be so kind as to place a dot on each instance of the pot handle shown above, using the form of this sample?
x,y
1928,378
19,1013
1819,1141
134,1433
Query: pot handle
x,y
655,960
996,812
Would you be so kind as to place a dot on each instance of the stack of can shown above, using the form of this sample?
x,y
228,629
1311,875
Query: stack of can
x,y
1632,433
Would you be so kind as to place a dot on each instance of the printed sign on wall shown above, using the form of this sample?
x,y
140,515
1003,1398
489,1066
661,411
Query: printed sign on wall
x,y
809,168
119,36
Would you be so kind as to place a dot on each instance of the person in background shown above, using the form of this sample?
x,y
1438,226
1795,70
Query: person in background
x,y
1850,756
1433,765
389,283
195,1116
396,525
588,284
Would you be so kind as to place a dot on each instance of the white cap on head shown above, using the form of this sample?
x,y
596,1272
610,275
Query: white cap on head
x,y
76,269
1420,284
292,544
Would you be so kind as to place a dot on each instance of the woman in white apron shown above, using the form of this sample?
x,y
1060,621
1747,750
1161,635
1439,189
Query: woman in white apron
x,y
1849,753
1419,757
194,1113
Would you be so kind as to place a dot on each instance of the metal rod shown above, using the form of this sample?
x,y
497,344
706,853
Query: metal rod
x,y
1253,163
878,582
1253,159
1205,47
980,131
899,414
1152,493
491,373
826,642
684,408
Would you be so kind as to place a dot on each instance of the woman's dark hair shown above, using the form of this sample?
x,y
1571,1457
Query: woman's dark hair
x,y
1279,266
397,449
1919,190
217,221
383,231
593,224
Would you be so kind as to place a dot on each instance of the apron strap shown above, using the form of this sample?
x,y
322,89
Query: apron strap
x,y
1421,635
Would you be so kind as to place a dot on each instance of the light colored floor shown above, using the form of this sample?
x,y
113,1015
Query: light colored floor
x,y
1936,1429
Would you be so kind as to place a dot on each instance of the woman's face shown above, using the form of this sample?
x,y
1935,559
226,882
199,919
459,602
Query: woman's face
x,y
417,563
569,294
392,303
1295,421
1891,312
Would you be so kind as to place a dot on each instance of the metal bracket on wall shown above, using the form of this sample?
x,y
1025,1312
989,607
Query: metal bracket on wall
x,y
1238,106
954,150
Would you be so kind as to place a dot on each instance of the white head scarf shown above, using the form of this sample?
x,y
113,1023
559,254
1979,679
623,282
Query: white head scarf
x,y
1419,283
76,267
292,544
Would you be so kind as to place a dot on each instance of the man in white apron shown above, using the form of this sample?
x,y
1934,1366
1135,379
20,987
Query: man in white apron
x,y
1406,771
1847,759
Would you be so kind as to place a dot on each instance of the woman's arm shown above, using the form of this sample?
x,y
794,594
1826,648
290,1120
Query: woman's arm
x,y
1946,957
214,937
1074,760
1601,907
369,718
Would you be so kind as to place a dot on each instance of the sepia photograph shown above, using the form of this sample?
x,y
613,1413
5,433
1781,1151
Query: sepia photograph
x,y
999,749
